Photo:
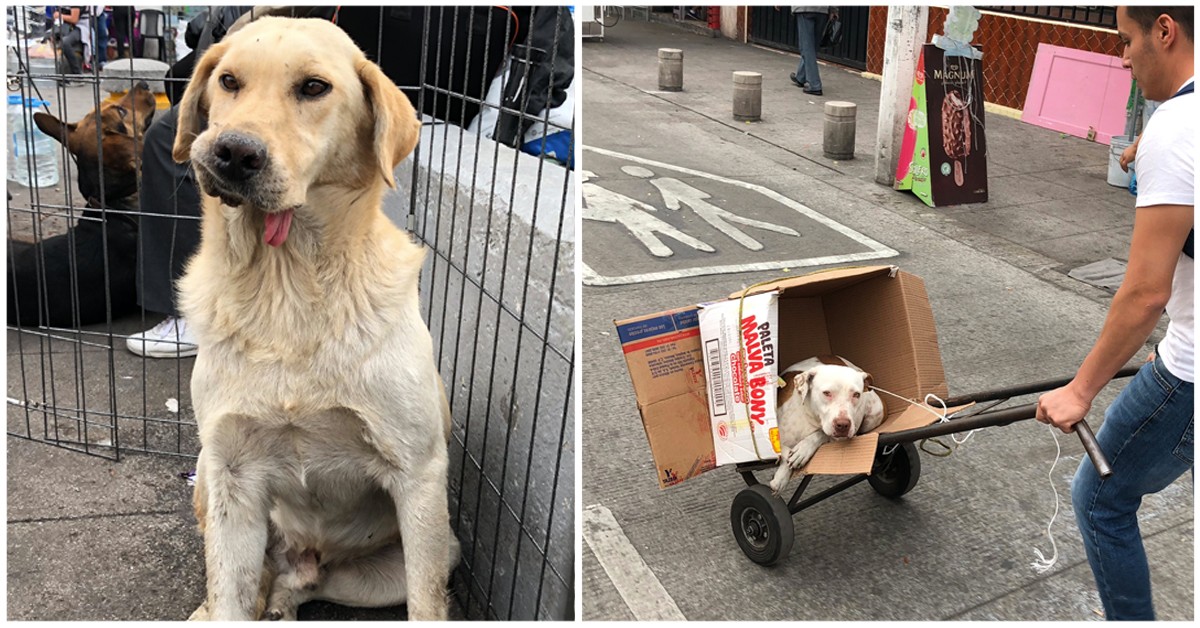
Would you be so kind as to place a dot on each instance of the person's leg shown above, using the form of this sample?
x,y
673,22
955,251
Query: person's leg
x,y
169,234
1147,437
86,36
802,36
122,26
170,229
808,33
72,49
101,39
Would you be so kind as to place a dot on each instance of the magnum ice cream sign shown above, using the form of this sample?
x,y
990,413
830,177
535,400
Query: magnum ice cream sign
x,y
943,157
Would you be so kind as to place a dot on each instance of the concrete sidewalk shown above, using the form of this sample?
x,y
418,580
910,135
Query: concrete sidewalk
x,y
959,546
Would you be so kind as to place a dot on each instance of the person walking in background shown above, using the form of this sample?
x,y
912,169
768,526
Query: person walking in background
x,y
810,23
1147,434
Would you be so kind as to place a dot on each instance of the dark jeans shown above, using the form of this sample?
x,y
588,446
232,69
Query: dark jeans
x,y
72,48
101,51
809,27
1147,437
168,239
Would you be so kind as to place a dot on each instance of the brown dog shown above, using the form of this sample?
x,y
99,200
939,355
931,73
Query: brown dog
x,y
117,156
71,286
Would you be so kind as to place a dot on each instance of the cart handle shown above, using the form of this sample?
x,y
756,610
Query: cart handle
x,y
1086,437
1092,448
1026,389
994,419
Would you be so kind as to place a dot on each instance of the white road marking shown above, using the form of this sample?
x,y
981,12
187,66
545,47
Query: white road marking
x,y
635,582
876,249
676,193
637,171
604,205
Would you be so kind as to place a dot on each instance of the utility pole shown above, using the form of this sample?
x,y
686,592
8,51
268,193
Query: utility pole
x,y
907,30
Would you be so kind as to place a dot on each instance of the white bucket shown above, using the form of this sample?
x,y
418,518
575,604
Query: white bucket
x,y
1116,176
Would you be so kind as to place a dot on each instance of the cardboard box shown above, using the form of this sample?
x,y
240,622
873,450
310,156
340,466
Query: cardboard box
x,y
741,395
878,317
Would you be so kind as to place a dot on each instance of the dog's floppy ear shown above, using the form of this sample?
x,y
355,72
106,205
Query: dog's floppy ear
x,y
53,127
804,383
397,128
193,107
868,383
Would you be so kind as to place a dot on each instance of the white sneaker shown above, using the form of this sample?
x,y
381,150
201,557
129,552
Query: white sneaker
x,y
168,339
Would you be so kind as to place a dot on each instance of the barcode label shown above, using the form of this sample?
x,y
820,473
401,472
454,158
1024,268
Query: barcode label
x,y
716,391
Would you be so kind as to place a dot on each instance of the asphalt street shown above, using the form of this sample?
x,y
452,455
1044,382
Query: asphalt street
x,y
684,205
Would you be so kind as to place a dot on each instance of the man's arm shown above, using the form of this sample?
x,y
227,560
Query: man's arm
x,y
71,15
1158,236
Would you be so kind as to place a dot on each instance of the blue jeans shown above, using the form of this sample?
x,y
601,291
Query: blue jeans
x,y
809,27
1147,437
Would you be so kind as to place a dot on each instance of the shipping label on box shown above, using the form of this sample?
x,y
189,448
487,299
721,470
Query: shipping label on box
x,y
741,395
657,352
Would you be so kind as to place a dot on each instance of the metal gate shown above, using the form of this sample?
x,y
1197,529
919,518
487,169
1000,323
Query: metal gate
x,y
776,27
497,291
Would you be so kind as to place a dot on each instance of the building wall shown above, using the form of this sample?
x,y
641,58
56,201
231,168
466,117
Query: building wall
x,y
1009,47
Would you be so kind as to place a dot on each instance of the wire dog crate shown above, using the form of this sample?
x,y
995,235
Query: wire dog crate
x,y
489,191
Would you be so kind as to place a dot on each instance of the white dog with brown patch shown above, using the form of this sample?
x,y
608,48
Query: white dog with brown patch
x,y
822,399
323,421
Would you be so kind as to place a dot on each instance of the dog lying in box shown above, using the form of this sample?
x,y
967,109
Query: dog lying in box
x,y
822,399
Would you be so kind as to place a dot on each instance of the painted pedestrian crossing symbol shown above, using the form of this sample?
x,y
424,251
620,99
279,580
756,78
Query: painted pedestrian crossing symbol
x,y
696,223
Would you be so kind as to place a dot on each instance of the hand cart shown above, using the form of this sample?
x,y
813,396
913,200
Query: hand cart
x,y
762,522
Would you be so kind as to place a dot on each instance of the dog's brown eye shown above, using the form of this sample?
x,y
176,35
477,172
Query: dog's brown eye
x,y
229,83
313,88
828,394
121,111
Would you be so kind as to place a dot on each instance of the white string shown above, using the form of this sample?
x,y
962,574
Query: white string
x,y
1041,565
941,417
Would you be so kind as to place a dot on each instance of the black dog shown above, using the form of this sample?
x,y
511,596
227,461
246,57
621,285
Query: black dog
x,y
61,281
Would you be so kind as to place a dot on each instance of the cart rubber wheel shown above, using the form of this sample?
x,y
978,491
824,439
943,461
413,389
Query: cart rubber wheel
x,y
762,525
896,473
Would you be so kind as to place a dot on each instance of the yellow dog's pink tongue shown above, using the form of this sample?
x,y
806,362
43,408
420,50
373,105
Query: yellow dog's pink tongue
x,y
278,224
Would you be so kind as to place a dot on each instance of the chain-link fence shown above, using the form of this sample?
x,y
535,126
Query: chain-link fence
x,y
488,190
1010,42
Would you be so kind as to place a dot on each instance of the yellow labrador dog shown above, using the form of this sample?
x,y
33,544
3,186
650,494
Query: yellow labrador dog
x,y
323,421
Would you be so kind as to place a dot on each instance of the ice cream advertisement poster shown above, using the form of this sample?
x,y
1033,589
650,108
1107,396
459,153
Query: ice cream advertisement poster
x,y
943,156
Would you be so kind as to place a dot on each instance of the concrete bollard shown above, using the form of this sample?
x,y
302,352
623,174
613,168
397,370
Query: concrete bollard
x,y
839,129
670,69
747,96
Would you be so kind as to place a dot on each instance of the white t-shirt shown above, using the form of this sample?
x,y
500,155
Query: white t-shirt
x,y
1165,166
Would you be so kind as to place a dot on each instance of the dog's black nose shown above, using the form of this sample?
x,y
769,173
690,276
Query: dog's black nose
x,y
841,427
143,85
238,157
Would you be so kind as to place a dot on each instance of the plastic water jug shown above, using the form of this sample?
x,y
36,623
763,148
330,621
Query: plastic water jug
x,y
24,136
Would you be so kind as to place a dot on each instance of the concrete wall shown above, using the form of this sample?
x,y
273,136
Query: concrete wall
x,y
498,293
